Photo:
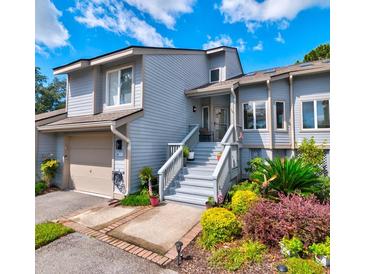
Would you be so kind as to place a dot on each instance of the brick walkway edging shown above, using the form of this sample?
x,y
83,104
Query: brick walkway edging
x,y
101,235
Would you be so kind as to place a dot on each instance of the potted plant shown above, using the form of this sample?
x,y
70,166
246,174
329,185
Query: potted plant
x,y
321,252
154,198
291,247
186,152
219,155
210,203
191,156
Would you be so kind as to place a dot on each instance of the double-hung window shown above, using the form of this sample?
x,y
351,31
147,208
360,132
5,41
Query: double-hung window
x,y
316,114
119,86
214,75
254,115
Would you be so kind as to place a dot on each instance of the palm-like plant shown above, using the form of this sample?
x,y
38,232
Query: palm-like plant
x,y
287,176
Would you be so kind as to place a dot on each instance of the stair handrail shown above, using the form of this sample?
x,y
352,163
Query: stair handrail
x,y
175,160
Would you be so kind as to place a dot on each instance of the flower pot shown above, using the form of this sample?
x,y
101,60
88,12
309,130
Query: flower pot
x,y
191,156
154,200
218,157
323,260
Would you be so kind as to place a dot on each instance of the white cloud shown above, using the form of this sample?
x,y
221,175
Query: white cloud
x,y
112,16
224,40
164,11
251,11
279,38
259,47
283,24
49,31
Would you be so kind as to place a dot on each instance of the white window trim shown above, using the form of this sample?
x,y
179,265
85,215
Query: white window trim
x,y
203,116
118,106
284,116
314,100
254,116
220,75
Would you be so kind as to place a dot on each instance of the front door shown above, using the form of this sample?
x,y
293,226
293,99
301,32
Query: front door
x,y
220,123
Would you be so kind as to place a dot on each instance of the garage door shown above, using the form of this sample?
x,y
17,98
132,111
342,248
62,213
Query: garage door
x,y
91,163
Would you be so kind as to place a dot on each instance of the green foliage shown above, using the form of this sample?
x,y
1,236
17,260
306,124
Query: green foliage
x,y
40,186
253,164
48,232
219,225
145,174
186,151
242,201
324,189
302,266
319,53
50,97
232,258
246,185
321,249
49,168
137,199
294,246
311,153
211,201
288,176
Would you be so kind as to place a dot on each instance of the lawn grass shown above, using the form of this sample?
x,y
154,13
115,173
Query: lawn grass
x,y
48,232
136,199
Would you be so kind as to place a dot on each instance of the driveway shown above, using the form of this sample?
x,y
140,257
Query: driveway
x,y
53,205
77,253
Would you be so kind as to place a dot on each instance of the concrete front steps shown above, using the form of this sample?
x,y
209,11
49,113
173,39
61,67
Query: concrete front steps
x,y
194,184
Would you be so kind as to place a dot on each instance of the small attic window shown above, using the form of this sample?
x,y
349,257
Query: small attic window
x,y
214,75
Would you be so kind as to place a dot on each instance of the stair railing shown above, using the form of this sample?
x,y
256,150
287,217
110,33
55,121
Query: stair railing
x,y
227,167
175,162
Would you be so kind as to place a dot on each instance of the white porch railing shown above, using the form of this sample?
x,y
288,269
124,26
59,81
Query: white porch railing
x,y
228,166
175,161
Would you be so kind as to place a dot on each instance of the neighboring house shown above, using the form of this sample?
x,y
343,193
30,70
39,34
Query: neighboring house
x,y
138,106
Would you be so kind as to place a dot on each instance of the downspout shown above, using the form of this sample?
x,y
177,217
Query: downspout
x,y
128,141
234,109
292,114
269,93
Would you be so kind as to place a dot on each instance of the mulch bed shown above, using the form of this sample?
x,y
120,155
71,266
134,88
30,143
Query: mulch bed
x,y
199,262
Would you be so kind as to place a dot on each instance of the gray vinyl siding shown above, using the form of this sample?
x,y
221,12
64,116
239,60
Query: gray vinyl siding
x,y
60,144
81,96
280,92
46,148
233,66
218,60
98,90
167,111
306,87
253,93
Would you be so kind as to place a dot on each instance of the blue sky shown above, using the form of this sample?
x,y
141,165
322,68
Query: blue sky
x,y
268,33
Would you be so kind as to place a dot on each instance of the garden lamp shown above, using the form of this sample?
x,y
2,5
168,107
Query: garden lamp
x,y
282,268
179,245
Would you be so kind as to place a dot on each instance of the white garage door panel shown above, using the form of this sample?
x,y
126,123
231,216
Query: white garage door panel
x,y
91,163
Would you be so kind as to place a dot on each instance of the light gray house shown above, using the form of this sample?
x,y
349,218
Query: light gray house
x,y
139,106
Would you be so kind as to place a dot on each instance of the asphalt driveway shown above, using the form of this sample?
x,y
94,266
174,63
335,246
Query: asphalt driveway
x,y
53,205
77,253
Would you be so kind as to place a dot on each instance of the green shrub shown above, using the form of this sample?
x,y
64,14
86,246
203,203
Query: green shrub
x,y
137,199
293,246
288,176
186,151
48,232
302,266
253,164
311,153
219,225
321,249
145,174
227,258
324,189
40,186
232,258
49,168
246,185
242,200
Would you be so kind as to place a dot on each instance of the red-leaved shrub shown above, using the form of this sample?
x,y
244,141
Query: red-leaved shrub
x,y
293,215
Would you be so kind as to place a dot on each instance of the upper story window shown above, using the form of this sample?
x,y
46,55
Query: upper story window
x,y
254,115
279,115
316,114
119,86
214,75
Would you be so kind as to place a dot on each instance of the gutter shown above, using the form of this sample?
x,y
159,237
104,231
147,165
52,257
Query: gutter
x,y
128,141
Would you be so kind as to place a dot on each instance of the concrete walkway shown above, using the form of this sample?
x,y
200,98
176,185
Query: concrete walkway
x,y
53,205
77,253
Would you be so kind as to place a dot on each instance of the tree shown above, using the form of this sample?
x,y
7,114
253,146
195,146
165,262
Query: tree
x,y
319,53
50,97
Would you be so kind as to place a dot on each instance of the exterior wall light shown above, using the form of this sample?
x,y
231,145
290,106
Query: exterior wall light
x,y
194,108
178,246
